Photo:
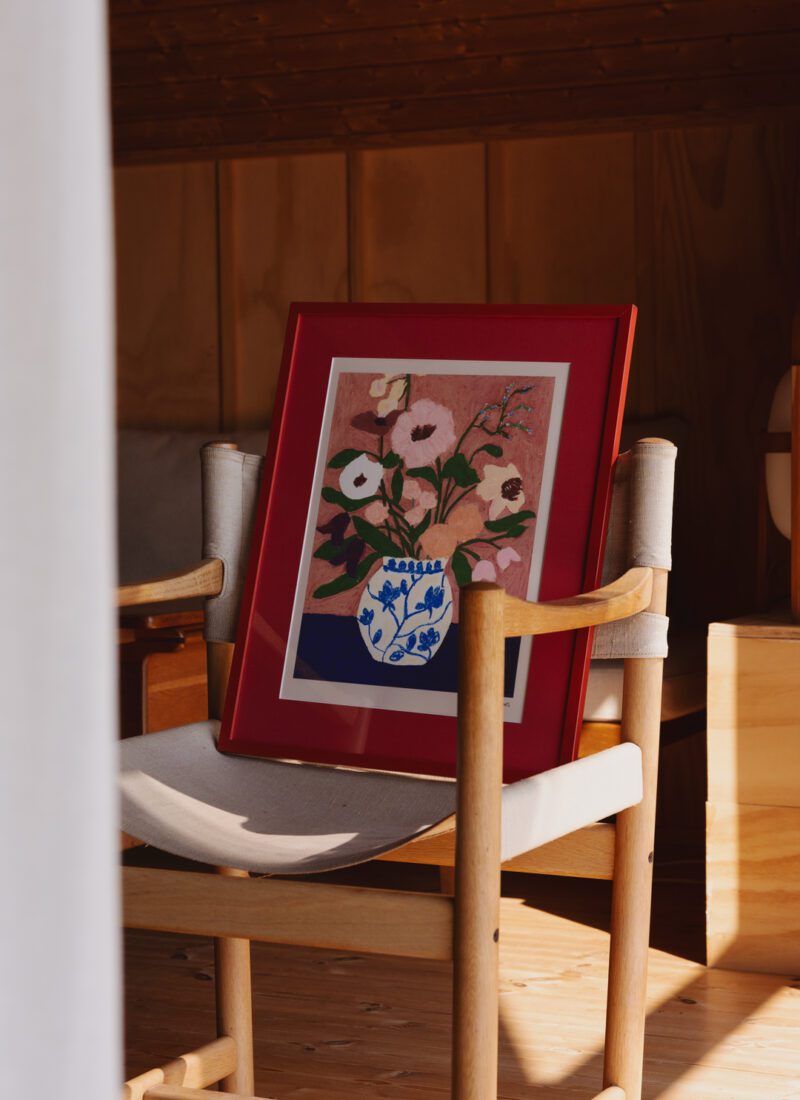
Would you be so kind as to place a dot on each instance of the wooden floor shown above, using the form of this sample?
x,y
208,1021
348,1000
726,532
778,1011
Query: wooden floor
x,y
330,1026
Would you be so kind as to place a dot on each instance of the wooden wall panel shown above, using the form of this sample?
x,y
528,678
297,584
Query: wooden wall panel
x,y
717,255
418,225
167,332
562,226
283,238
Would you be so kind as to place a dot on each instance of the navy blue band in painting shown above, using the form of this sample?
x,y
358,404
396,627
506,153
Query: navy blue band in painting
x,y
329,648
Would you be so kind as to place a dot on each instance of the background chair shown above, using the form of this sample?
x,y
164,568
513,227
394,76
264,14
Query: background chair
x,y
271,817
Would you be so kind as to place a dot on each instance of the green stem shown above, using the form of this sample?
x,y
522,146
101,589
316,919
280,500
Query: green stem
x,y
456,501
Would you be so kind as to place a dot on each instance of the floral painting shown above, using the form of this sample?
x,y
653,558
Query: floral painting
x,y
430,476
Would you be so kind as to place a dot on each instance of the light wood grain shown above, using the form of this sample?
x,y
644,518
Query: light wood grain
x,y
619,600
754,719
633,872
478,814
204,579
195,1070
586,853
273,911
179,1092
235,1002
346,1026
166,268
418,225
283,238
753,877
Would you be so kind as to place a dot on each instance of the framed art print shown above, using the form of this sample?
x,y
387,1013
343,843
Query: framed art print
x,y
416,449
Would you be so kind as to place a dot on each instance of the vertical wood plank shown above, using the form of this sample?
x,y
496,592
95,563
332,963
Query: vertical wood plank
x,y
168,371
717,271
561,216
418,224
283,238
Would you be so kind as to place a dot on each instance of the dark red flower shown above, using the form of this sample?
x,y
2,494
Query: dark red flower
x,y
374,424
335,527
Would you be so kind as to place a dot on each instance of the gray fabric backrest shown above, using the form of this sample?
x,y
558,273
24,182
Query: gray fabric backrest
x,y
231,481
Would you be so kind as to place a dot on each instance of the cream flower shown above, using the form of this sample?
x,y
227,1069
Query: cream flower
x,y
390,388
502,486
423,432
360,478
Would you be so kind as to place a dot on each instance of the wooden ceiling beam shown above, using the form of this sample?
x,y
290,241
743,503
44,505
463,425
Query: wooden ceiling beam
x,y
202,80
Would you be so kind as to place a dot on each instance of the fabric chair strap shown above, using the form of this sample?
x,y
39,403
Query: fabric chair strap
x,y
230,493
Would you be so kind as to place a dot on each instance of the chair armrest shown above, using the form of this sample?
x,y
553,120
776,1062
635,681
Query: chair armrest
x,y
204,579
624,597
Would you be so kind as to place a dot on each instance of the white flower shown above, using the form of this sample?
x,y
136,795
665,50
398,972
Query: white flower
x,y
360,478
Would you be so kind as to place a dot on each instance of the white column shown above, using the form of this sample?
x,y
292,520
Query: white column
x,y
59,947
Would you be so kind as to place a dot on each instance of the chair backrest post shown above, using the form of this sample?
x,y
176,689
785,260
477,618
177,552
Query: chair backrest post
x,y
218,654
633,867
478,821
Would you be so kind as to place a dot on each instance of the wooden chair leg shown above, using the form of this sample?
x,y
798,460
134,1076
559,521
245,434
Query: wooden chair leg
x,y
235,1005
477,886
633,877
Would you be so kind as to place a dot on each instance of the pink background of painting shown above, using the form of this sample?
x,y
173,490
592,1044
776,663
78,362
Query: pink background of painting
x,y
463,395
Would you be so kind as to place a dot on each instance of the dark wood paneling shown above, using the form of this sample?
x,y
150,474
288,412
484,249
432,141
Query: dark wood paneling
x,y
418,225
718,253
248,78
562,223
166,261
283,238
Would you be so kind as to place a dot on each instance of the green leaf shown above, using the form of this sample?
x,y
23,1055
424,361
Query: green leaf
x,y
329,550
397,486
460,471
511,520
462,570
426,473
375,538
391,460
345,582
491,449
343,458
333,496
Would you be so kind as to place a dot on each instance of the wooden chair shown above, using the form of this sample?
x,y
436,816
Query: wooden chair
x,y
183,796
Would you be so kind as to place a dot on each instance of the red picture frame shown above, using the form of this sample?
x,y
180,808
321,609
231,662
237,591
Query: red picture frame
x,y
594,344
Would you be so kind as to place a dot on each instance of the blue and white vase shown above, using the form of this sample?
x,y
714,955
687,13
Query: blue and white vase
x,y
405,611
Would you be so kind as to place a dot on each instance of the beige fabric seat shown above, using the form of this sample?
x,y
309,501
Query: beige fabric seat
x,y
180,794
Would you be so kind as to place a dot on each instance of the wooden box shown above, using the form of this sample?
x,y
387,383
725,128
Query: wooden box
x,y
753,807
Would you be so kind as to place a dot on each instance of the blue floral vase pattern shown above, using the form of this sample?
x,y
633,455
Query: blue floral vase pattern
x,y
405,610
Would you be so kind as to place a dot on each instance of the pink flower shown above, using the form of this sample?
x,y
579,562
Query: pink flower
x,y
484,571
416,494
423,432
376,513
506,556
416,514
